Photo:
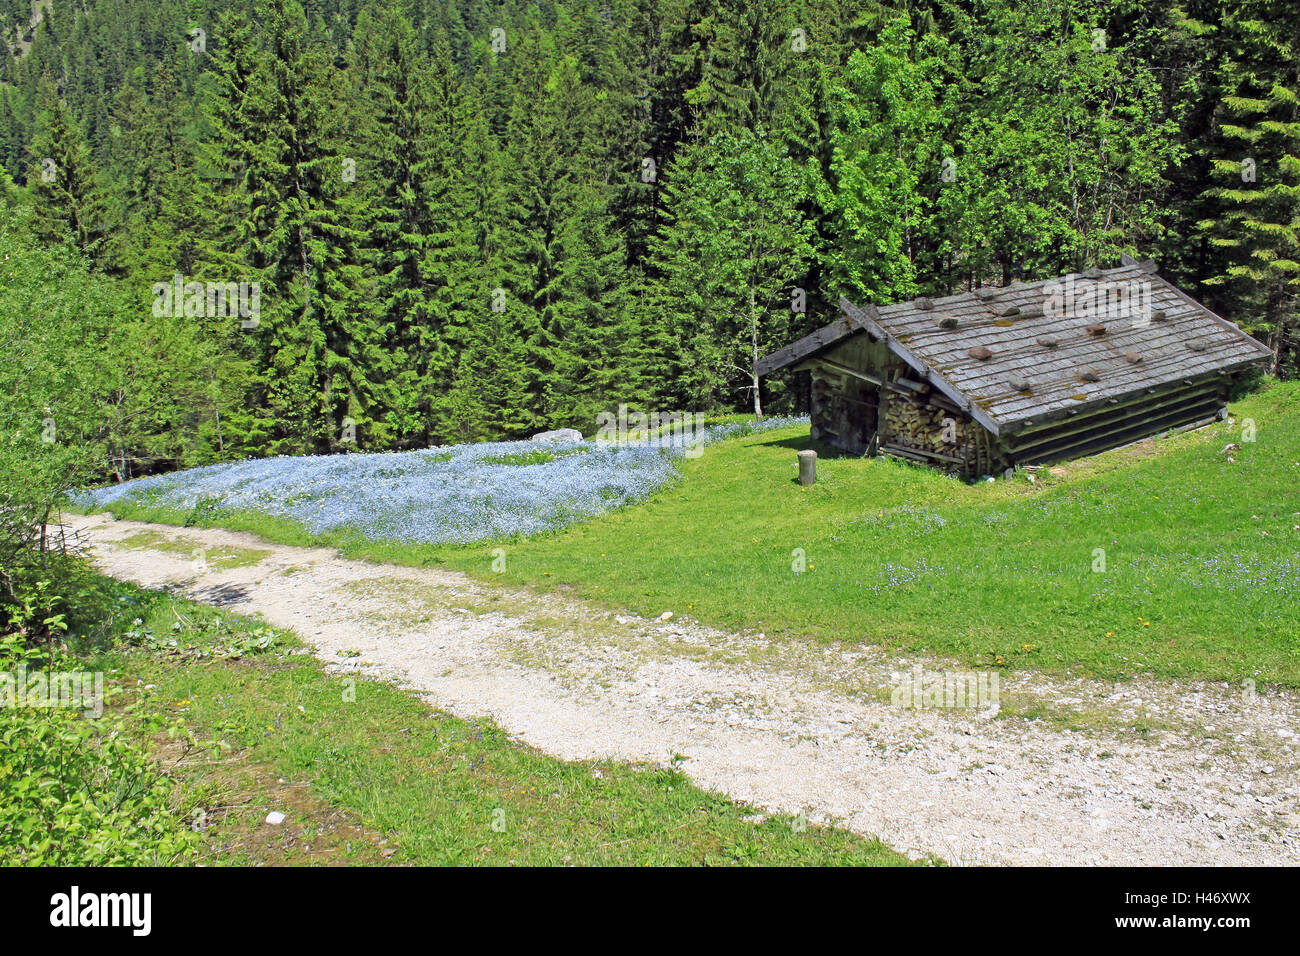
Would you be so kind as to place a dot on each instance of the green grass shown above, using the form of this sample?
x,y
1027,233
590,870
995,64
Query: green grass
x,y
221,559
1202,556
539,457
416,786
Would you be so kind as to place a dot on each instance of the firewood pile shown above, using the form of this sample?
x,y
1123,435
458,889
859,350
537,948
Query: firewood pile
x,y
915,423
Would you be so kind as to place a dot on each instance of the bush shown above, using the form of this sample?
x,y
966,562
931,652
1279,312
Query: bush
x,y
78,791
92,386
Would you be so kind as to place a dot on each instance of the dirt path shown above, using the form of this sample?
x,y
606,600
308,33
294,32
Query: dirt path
x,y
1143,772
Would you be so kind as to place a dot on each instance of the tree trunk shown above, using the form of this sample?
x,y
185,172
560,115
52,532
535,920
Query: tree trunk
x,y
753,346
1278,312
216,408
1283,342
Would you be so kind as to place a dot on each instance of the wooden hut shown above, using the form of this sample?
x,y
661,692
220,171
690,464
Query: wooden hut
x,y
1030,373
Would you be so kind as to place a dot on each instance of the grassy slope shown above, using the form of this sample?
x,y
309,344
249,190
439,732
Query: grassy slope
x,y
1202,562
383,778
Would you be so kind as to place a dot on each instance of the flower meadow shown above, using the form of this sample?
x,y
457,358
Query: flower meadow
x,y
455,494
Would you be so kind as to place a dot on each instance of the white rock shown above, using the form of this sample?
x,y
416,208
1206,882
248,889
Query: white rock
x,y
560,434
275,818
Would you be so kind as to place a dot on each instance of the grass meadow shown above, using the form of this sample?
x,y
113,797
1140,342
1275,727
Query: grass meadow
x,y
1170,557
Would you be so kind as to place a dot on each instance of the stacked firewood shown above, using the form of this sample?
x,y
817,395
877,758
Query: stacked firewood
x,y
914,423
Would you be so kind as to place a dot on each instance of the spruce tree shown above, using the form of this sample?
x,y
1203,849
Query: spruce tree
x,y
70,201
1258,221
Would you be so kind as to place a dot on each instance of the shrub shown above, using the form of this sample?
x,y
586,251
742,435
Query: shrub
x,y
80,791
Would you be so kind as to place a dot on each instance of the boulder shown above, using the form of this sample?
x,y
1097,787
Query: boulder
x,y
560,434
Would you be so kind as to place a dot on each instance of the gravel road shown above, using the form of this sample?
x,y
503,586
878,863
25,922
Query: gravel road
x,y
1142,772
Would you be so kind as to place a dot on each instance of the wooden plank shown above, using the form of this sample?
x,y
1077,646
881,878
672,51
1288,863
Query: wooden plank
x,y
1053,420
899,452
1111,437
812,342
909,450
1265,351
1070,426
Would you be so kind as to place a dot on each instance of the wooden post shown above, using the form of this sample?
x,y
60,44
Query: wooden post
x,y
807,466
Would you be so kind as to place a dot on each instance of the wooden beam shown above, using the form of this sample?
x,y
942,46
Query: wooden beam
x,y
845,370
867,322
1110,443
908,450
1112,437
1102,415
902,386
1088,409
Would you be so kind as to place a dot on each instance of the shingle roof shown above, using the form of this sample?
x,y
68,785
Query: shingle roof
x,y
1043,361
